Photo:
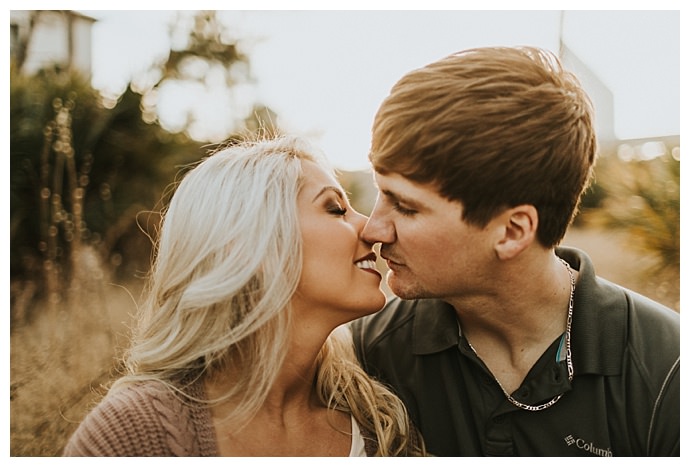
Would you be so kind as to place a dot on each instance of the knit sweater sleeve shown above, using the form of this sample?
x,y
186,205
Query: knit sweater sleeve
x,y
141,420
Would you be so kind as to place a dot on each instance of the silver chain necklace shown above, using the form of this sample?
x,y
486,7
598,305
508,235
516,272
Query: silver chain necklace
x,y
568,353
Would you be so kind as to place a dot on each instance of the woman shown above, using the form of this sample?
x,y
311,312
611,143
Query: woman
x,y
239,349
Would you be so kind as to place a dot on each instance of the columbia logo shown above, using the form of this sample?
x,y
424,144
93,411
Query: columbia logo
x,y
579,443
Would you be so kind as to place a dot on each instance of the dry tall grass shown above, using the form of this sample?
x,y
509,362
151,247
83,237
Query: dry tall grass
x,y
62,349
62,355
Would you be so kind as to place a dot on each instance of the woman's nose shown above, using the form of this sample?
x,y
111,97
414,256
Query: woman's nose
x,y
360,220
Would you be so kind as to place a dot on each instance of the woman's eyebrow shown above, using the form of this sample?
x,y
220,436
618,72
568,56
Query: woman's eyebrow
x,y
328,188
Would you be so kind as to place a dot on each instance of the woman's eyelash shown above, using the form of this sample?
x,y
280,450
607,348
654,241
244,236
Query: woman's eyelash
x,y
337,210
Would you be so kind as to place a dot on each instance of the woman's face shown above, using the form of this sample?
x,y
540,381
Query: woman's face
x,y
338,271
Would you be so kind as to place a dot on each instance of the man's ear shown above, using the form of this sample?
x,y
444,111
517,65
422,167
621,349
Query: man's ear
x,y
519,230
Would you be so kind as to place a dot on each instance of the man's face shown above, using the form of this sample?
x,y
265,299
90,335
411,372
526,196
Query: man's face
x,y
430,251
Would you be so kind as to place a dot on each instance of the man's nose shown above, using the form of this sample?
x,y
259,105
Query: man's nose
x,y
379,228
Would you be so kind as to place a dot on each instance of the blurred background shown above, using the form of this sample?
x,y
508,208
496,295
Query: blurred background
x,y
107,108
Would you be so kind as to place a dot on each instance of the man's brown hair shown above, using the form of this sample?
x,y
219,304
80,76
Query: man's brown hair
x,y
492,128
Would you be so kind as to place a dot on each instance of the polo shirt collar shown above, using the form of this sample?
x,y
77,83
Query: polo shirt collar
x,y
435,327
600,318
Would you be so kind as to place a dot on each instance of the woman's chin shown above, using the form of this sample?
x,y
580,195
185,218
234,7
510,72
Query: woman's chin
x,y
378,304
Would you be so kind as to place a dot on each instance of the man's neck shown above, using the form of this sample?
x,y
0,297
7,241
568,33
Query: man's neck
x,y
512,327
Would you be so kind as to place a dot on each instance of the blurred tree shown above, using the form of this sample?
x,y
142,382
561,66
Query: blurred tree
x,y
82,173
642,198
204,86
78,172
31,136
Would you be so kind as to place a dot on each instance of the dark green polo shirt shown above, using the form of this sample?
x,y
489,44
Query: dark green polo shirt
x,y
624,399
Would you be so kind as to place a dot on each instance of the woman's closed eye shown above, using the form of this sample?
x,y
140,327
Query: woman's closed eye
x,y
336,209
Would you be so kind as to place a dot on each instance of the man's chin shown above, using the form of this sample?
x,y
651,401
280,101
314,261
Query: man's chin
x,y
402,290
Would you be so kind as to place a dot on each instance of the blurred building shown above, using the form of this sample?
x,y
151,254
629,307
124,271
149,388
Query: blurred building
x,y
50,39
603,102
599,93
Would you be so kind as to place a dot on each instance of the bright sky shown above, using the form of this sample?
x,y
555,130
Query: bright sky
x,y
325,72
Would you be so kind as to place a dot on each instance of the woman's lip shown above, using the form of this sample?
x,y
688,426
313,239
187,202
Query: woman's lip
x,y
373,271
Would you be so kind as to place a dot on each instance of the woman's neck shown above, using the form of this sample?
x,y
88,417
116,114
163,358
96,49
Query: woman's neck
x,y
292,421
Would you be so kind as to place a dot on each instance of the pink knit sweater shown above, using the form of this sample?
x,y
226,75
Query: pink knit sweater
x,y
148,419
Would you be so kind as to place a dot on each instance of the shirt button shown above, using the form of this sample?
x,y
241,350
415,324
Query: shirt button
x,y
524,393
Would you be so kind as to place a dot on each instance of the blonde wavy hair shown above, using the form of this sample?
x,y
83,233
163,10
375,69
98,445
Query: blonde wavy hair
x,y
227,263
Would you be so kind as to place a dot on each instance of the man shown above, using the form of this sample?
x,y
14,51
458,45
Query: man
x,y
502,342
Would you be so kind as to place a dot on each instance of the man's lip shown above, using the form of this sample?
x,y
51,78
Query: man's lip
x,y
390,261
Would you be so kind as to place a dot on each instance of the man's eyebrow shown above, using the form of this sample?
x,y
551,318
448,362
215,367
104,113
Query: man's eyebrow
x,y
328,188
401,199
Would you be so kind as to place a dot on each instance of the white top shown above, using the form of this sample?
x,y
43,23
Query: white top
x,y
357,448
